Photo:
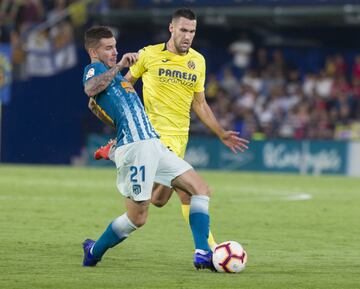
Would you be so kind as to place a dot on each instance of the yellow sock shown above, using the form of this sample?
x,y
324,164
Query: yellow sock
x,y
186,212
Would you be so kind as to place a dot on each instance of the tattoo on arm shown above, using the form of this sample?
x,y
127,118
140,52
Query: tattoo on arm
x,y
99,83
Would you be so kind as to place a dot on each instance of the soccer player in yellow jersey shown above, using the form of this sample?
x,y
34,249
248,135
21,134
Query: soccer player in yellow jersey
x,y
173,76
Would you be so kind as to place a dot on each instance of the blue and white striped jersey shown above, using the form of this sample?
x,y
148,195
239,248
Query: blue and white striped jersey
x,y
120,103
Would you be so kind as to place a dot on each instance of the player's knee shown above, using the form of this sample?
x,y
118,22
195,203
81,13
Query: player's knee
x,y
203,189
139,220
207,190
158,202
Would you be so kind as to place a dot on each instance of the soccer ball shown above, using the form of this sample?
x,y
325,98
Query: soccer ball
x,y
229,257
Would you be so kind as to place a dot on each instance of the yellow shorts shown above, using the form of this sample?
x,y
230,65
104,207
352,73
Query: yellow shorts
x,y
176,143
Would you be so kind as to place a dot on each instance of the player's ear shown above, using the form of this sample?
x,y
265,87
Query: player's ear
x,y
92,52
171,27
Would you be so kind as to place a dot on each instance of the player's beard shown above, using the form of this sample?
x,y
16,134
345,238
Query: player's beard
x,y
112,63
180,49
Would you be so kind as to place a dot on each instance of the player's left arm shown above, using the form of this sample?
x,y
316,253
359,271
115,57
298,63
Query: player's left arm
x,y
229,138
129,77
95,109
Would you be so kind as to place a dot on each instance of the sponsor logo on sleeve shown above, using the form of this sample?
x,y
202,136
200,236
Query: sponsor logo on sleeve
x,y
90,73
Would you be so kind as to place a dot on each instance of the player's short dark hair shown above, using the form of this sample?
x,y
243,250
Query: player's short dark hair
x,y
184,12
94,34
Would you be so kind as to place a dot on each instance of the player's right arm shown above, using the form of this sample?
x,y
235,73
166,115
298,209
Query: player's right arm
x,y
98,83
137,70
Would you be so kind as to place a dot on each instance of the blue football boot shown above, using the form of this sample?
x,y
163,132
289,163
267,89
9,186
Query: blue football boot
x,y
203,261
89,259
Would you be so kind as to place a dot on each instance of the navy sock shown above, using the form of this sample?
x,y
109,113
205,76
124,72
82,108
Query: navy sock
x,y
114,234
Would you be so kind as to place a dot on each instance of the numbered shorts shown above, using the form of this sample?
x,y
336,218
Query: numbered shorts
x,y
176,143
142,163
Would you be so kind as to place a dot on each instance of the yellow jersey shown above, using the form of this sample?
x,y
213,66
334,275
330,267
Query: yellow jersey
x,y
169,83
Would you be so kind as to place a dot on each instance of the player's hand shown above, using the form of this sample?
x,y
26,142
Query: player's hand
x,y
128,59
232,140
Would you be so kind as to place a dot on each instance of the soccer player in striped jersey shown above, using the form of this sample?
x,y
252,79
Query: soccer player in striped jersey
x,y
173,76
140,158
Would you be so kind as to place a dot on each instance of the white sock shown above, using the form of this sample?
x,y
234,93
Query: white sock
x,y
202,252
112,152
122,226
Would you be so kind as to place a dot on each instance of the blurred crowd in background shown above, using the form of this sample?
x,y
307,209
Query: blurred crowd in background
x,y
266,96
259,91
41,34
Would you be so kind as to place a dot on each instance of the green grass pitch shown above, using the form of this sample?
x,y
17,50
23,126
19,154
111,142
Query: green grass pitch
x,y
299,231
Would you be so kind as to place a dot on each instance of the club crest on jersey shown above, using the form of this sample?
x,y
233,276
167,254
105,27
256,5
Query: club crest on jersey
x,y
136,189
191,64
90,73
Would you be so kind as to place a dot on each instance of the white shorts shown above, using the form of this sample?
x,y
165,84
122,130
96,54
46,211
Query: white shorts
x,y
142,163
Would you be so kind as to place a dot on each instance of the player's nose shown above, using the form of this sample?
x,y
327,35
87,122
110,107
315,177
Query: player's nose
x,y
187,37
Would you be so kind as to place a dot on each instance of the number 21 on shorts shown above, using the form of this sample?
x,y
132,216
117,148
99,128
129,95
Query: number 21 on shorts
x,y
137,174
